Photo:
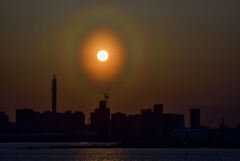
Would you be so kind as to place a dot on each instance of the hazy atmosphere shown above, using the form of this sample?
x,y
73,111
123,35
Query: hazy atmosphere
x,y
183,54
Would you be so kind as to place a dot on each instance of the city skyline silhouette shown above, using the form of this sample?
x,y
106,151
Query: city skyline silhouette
x,y
151,124
105,94
181,54
119,80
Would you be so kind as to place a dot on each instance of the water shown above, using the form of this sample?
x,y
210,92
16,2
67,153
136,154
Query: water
x,y
11,152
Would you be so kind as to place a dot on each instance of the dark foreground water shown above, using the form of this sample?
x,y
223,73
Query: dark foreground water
x,y
17,152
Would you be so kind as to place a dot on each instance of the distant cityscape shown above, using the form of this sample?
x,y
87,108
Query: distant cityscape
x,y
151,125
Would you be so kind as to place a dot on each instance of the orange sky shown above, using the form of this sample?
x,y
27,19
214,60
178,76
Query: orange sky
x,y
183,54
99,72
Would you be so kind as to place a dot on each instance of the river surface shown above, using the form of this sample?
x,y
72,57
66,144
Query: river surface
x,y
22,152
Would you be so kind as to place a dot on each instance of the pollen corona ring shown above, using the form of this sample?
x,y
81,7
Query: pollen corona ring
x,y
102,55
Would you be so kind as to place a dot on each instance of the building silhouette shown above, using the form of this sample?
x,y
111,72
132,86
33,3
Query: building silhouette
x,y
54,94
151,126
26,120
150,123
158,124
120,125
222,124
4,122
30,121
3,118
69,123
100,119
194,118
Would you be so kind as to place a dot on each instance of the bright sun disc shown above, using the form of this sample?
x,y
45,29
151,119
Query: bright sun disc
x,y
102,55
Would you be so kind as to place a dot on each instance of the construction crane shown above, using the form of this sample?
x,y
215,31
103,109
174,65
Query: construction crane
x,y
106,95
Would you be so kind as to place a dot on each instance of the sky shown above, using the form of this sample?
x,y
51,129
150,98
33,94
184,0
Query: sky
x,y
183,54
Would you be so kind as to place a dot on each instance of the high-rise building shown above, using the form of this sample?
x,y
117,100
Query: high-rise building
x,y
100,119
194,118
3,118
27,120
54,95
4,122
120,124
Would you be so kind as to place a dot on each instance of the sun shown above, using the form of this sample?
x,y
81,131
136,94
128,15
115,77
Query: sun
x,y
102,55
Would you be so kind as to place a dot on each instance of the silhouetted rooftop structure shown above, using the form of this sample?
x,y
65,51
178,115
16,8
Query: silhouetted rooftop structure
x,y
149,124
4,122
100,119
3,118
54,94
194,118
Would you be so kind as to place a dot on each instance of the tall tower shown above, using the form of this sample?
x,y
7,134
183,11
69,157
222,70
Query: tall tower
x,y
54,94
194,118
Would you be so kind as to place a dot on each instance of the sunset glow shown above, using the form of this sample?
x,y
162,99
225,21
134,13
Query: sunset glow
x,y
102,56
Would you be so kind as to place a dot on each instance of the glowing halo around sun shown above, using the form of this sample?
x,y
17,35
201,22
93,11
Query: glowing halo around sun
x,y
80,42
102,55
